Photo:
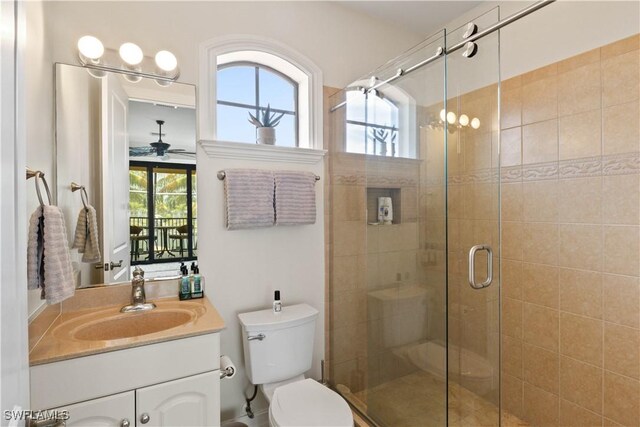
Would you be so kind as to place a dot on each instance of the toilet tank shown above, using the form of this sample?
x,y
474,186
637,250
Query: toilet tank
x,y
287,347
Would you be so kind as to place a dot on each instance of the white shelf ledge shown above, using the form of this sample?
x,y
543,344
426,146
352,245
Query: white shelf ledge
x,y
267,153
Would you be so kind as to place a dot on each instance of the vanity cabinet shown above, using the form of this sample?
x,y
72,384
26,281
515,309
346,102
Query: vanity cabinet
x,y
171,383
110,411
187,402
191,401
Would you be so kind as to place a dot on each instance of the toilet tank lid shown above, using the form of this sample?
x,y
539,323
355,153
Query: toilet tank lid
x,y
264,320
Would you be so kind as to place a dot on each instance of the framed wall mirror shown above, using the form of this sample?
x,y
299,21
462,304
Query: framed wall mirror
x,y
127,146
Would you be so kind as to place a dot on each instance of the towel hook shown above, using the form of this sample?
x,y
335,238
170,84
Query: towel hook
x,y
83,195
39,175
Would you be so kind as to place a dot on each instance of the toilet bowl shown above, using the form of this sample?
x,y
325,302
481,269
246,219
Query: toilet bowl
x,y
308,403
278,350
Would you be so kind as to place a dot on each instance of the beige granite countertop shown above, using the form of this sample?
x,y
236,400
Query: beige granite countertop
x,y
78,333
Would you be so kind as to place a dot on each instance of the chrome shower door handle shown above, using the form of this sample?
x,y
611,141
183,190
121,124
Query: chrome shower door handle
x,y
472,266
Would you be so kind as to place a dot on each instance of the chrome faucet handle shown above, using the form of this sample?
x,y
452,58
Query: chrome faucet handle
x,y
138,296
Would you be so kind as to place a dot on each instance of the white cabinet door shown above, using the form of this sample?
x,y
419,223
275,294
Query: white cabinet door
x,y
111,411
188,402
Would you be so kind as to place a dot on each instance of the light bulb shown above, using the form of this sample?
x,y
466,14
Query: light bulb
x,y
166,60
131,53
443,115
90,47
451,117
464,119
475,123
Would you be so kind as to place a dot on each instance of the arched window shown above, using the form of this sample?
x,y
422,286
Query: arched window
x,y
247,87
372,124
275,60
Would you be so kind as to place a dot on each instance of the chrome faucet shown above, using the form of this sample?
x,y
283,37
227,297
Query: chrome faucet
x,y
138,297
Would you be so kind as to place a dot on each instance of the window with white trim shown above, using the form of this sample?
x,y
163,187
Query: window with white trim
x,y
372,124
245,88
380,122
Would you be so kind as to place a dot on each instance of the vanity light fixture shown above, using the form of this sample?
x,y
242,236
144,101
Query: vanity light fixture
x,y
90,52
166,64
132,56
453,121
90,48
128,60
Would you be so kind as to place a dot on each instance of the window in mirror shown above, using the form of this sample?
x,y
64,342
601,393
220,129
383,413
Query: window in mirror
x,y
371,124
243,88
162,201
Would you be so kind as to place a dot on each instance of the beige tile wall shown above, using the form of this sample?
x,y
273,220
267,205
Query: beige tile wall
x,y
570,209
363,259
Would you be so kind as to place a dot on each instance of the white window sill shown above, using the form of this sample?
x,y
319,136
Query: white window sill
x,y
267,153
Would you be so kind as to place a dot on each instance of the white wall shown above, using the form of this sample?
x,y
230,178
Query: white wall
x,y
78,152
14,367
39,107
243,268
342,42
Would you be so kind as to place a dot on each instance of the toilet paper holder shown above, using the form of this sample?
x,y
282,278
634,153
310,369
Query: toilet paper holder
x,y
227,368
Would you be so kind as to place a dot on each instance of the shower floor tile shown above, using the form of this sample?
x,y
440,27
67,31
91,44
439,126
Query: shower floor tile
x,y
418,400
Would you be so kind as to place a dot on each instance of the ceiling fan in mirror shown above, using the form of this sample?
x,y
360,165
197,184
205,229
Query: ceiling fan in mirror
x,y
160,148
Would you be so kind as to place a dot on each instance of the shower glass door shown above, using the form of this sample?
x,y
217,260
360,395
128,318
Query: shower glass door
x,y
414,168
473,228
388,241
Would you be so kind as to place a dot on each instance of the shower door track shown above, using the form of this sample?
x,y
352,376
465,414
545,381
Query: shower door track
x,y
489,30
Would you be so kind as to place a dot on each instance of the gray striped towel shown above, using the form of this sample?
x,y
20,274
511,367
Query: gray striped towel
x,y
249,198
86,236
295,198
48,260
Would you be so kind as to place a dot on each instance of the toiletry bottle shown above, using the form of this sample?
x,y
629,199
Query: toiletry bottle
x,y
277,305
185,285
196,291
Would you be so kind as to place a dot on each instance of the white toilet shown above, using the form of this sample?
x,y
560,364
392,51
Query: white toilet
x,y
278,349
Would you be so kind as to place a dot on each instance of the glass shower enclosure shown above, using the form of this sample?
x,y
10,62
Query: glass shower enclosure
x,y
414,237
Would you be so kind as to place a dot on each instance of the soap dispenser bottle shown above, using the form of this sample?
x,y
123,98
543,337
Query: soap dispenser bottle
x,y
185,285
196,290
277,304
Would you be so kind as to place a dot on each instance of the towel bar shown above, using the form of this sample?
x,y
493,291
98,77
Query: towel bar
x,y
39,176
222,175
83,195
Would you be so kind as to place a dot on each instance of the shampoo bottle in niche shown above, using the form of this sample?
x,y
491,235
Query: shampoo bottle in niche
x,y
277,304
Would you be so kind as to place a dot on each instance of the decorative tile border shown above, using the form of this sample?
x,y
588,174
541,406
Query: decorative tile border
x,y
372,180
618,164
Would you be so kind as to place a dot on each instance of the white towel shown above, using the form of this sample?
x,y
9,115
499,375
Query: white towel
x,y
249,198
48,259
86,236
295,198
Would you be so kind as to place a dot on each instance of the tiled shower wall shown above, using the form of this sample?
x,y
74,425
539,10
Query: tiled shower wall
x,y
570,164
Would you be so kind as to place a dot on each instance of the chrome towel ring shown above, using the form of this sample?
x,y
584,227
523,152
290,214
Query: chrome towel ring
x,y
39,176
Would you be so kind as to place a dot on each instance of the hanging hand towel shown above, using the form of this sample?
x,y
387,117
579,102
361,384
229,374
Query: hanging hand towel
x,y
48,259
86,236
35,249
249,198
295,198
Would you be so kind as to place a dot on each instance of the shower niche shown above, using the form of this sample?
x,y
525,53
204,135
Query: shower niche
x,y
379,197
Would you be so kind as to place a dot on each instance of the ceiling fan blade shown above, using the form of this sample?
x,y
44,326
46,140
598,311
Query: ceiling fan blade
x,y
142,151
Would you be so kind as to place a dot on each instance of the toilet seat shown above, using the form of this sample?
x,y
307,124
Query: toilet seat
x,y
308,403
